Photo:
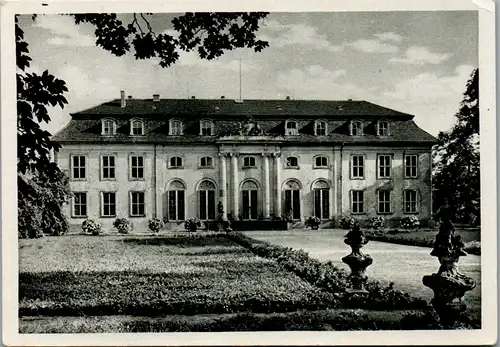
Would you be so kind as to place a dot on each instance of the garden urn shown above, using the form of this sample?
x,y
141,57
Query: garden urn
x,y
357,261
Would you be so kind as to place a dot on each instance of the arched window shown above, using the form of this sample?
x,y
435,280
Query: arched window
x,y
108,127
249,192
383,128
206,162
320,161
292,162
291,127
292,199
321,200
206,198
206,128
356,128
320,128
175,162
176,201
175,127
136,127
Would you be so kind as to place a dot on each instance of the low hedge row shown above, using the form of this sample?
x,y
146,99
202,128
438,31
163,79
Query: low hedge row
x,y
331,278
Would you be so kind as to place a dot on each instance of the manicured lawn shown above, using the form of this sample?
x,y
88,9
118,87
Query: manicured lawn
x,y
151,276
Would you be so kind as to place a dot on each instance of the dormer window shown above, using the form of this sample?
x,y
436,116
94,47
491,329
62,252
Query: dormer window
x,y
320,128
356,128
175,127
136,127
291,128
383,128
108,127
206,128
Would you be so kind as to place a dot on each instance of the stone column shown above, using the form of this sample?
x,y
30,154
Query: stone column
x,y
267,199
277,205
236,200
223,180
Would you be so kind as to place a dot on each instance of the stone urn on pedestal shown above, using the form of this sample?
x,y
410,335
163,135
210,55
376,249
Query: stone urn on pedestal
x,y
448,284
357,261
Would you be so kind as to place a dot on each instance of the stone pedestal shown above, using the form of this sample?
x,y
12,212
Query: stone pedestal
x,y
357,261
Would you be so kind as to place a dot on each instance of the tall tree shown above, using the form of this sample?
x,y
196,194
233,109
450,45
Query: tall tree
x,y
42,187
456,157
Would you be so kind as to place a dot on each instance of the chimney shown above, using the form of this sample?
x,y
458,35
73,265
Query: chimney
x,y
287,97
222,97
193,97
122,94
156,97
130,97
349,99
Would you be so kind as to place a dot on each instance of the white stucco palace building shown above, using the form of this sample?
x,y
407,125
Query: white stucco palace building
x,y
177,158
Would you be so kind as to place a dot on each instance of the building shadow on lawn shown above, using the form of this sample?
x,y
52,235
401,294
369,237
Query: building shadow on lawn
x,y
205,241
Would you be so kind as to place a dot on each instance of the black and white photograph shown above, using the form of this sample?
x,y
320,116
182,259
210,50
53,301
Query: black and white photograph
x,y
210,171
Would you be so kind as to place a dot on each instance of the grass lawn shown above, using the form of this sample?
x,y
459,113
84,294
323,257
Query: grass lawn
x,y
154,276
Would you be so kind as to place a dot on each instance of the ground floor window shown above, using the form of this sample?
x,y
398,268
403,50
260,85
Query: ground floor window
x,y
206,192
80,204
137,204
292,199
410,201
108,204
176,198
384,201
357,201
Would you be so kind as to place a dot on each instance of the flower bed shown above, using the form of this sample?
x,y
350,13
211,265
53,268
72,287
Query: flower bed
x,y
330,278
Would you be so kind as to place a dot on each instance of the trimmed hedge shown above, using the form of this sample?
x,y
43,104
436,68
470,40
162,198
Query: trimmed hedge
x,y
331,278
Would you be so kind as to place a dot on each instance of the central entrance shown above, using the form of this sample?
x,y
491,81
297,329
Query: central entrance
x,y
249,191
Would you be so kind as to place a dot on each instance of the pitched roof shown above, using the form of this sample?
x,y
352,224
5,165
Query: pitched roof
x,y
216,108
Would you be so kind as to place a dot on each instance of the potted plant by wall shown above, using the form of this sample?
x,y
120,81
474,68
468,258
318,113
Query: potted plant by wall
x,y
192,223
123,225
90,226
155,225
313,222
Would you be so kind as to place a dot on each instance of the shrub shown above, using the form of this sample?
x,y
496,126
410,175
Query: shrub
x,y
410,222
90,226
346,222
313,222
377,222
192,224
155,225
123,225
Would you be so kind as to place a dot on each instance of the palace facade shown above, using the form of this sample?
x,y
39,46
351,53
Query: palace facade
x,y
177,158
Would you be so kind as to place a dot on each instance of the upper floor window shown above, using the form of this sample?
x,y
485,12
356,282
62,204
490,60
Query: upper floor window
x,y
79,167
320,128
175,127
356,128
108,127
383,128
411,165
206,162
206,128
292,162
384,165
320,162
137,167
249,162
357,166
291,128
136,127
175,162
108,167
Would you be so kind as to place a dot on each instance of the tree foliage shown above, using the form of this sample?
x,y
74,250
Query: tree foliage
x,y
456,157
42,187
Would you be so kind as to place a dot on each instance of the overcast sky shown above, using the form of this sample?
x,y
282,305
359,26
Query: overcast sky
x,y
415,62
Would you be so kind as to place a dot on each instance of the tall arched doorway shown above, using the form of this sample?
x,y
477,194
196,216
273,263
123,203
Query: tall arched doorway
x,y
249,195
176,201
292,198
206,200
321,199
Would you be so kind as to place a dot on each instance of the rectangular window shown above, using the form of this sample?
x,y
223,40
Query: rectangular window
x,y
321,162
79,167
108,167
249,162
137,167
137,205
411,165
176,205
292,162
410,201
80,205
358,166
108,204
206,162
357,201
384,201
384,166
137,128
